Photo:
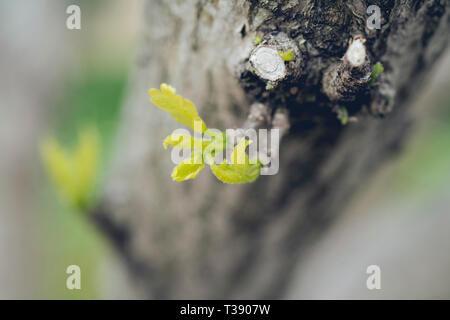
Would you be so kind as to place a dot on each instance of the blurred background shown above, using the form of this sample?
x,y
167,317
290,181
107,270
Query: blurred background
x,y
55,81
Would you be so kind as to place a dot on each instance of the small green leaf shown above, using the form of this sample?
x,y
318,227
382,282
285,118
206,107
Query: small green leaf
x,y
182,110
257,40
343,115
239,170
234,174
376,71
188,169
287,55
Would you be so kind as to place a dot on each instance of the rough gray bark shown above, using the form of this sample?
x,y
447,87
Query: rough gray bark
x,y
204,239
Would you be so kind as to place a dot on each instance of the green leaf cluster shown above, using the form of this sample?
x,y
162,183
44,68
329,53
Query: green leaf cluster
x,y
235,171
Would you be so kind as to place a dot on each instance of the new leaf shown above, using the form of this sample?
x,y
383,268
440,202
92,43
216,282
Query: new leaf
x,y
182,110
188,169
239,170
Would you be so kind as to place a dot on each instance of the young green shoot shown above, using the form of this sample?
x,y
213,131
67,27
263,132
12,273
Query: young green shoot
x,y
286,55
237,170
376,71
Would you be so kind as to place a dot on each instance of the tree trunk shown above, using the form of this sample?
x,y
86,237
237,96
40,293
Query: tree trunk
x,y
205,239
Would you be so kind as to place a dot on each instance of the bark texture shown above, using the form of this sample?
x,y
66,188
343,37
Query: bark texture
x,y
204,239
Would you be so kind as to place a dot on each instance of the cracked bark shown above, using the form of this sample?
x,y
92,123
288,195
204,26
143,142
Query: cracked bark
x,y
204,239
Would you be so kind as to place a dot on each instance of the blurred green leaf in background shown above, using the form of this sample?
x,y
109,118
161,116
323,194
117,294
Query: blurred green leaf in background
x,y
93,92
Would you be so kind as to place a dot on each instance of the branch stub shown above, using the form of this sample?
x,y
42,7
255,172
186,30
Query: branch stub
x,y
268,64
